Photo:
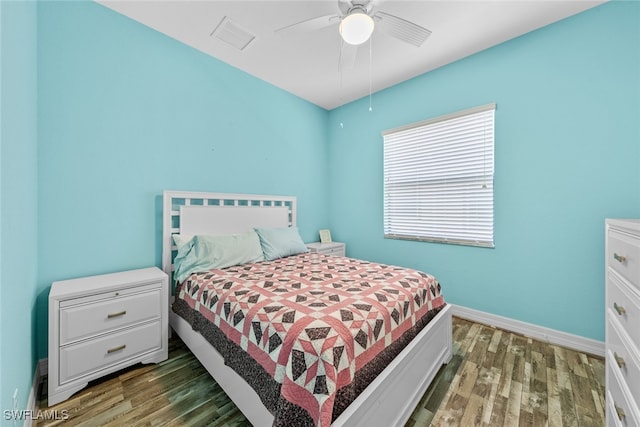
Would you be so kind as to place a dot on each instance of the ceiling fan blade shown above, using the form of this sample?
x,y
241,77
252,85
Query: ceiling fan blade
x,y
348,53
401,28
309,25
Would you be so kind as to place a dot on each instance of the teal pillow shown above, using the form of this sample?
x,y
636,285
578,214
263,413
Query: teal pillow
x,y
280,242
204,253
184,244
181,239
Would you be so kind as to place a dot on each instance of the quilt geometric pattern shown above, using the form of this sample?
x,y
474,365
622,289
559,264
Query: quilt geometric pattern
x,y
312,320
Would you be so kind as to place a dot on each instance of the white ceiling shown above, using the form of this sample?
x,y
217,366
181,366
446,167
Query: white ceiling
x,y
307,65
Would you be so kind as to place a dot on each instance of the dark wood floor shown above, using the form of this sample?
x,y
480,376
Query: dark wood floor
x,y
495,378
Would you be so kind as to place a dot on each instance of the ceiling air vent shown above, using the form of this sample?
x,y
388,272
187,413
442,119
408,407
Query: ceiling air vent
x,y
232,34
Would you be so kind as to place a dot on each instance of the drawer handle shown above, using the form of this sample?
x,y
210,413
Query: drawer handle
x,y
619,412
118,314
620,309
619,360
619,258
118,348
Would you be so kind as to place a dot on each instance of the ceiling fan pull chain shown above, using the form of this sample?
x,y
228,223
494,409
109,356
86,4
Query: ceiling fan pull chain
x,y
370,74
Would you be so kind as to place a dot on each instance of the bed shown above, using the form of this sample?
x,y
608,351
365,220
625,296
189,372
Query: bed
x,y
387,399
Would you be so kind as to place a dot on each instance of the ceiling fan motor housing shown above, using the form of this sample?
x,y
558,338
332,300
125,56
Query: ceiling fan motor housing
x,y
348,6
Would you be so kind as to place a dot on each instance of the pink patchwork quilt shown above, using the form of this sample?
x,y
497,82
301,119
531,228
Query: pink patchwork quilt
x,y
309,332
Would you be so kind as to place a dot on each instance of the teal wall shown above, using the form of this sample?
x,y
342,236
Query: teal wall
x,y
125,113
567,156
2,384
18,200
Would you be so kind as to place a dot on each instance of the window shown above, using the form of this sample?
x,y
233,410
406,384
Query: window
x,y
438,179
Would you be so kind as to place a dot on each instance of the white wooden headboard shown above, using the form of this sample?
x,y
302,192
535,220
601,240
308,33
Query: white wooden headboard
x,y
185,212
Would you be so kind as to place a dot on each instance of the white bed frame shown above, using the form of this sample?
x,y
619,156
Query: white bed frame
x,y
388,401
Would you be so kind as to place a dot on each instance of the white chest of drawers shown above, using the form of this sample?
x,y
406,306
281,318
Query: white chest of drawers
x,y
333,248
623,322
100,324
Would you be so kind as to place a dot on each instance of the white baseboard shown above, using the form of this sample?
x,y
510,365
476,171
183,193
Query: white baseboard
x,y
41,370
552,336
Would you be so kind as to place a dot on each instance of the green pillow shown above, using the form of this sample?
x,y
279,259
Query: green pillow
x,y
182,239
280,242
204,253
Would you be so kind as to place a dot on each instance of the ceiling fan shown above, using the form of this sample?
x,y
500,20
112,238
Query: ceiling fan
x,y
356,20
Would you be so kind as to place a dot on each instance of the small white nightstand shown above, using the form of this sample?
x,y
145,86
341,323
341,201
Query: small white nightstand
x,y
101,324
333,248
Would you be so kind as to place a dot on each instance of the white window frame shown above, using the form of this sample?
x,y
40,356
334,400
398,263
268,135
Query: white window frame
x,y
438,179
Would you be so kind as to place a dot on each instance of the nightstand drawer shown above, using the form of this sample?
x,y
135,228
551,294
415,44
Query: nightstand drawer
x,y
90,356
623,255
335,251
332,248
90,319
624,305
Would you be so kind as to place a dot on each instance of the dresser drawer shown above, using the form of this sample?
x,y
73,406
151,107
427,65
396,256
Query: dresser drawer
x,y
622,356
624,305
623,255
89,356
86,320
620,410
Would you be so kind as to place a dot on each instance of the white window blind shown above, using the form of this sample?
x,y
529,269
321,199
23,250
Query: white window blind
x,y
438,179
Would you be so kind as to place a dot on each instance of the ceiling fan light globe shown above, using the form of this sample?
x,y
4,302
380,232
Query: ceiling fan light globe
x,y
356,28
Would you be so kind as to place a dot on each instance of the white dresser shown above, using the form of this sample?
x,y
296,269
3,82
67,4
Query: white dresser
x,y
332,248
100,324
623,322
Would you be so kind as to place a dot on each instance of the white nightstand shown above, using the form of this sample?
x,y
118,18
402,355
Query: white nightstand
x,y
333,248
101,324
